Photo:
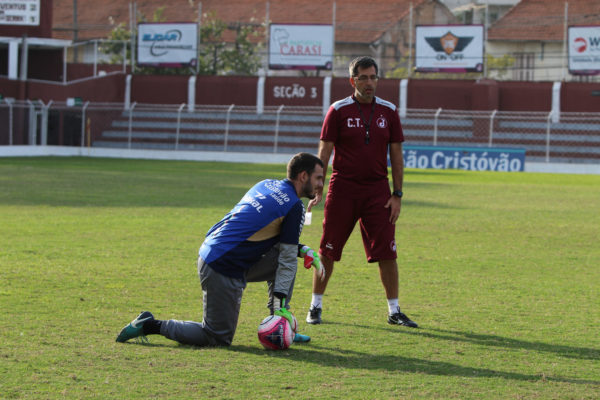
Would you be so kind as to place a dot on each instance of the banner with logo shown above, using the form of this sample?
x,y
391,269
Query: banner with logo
x,y
449,48
301,46
584,50
466,158
167,44
20,12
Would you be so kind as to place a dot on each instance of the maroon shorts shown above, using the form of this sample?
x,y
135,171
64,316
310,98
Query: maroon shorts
x,y
344,205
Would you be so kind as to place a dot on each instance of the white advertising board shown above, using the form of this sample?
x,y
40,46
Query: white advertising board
x,y
584,50
301,46
20,12
167,44
449,48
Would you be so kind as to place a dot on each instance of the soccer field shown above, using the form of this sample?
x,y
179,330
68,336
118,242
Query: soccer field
x,y
500,270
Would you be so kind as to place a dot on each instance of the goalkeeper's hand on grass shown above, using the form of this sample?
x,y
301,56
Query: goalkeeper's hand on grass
x,y
311,257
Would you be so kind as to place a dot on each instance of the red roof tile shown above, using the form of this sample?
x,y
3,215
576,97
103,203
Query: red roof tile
x,y
357,21
543,20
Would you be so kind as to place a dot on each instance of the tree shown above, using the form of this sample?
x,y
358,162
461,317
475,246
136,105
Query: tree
x,y
120,36
244,58
215,56
218,58
212,47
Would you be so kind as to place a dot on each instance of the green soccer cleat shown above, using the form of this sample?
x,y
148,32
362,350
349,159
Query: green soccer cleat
x,y
135,328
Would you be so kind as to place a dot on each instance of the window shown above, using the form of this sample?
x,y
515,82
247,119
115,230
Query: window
x,y
524,66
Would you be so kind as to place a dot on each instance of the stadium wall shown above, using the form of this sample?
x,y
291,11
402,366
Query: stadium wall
x,y
105,89
309,91
580,97
525,96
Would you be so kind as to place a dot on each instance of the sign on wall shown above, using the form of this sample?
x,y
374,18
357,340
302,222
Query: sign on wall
x,y
20,12
167,44
584,50
301,46
294,91
449,48
466,158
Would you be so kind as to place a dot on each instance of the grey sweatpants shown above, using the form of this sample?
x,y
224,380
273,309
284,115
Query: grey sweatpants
x,y
222,298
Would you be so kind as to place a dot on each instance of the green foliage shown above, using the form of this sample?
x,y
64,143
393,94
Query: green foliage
x,y
216,56
213,46
119,38
498,67
499,269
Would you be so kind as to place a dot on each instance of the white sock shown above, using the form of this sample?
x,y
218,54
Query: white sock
x,y
393,306
317,300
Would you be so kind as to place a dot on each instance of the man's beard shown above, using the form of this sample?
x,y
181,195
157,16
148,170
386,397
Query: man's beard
x,y
308,191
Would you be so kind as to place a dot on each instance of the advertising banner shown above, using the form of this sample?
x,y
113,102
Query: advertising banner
x,y
168,44
584,50
20,12
449,48
466,158
301,46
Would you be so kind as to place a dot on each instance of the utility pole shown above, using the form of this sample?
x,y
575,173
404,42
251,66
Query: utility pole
x,y
75,30
565,55
485,37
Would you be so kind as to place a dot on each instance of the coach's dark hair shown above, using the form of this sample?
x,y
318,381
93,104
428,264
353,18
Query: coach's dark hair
x,y
302,162
362,62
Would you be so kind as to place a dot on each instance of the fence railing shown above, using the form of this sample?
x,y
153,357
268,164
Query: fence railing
x,y
568,137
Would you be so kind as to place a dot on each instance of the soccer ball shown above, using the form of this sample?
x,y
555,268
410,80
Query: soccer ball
x,y
295,324
275,333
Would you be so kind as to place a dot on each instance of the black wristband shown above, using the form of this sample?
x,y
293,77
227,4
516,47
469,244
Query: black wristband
x,y
397,193
279,295
300,246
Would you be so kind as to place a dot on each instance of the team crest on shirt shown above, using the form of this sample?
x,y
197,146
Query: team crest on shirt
x,y
381,122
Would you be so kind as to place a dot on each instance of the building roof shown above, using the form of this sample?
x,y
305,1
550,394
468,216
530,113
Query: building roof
x,y
357,21
543,20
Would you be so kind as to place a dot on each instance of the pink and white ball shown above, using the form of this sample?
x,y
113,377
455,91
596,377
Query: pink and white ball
x,y
275,333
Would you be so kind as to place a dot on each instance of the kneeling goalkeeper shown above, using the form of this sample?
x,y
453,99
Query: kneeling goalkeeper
x,y
258,240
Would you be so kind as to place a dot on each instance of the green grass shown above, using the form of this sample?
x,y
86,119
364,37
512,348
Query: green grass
x,y
499,269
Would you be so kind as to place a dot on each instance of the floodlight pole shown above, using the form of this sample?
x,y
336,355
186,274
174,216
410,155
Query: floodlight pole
x,y
199,38
133,30
410,40
565,29
485,38
333,17
75,31
267,38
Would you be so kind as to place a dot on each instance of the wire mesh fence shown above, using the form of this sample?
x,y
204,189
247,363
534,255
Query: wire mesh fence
x,y
546,137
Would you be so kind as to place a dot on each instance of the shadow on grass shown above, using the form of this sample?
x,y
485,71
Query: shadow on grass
x,y
332,357
582,353
344,358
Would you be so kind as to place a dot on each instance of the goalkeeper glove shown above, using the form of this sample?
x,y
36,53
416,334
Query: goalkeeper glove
x,y
280,310
311,257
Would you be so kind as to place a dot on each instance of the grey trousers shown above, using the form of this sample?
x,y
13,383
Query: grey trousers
x,y
222,297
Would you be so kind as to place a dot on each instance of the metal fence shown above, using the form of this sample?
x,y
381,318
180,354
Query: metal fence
x,y
546,137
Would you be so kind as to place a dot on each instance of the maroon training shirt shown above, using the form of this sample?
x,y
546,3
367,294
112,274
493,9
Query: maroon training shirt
x,y
345,125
